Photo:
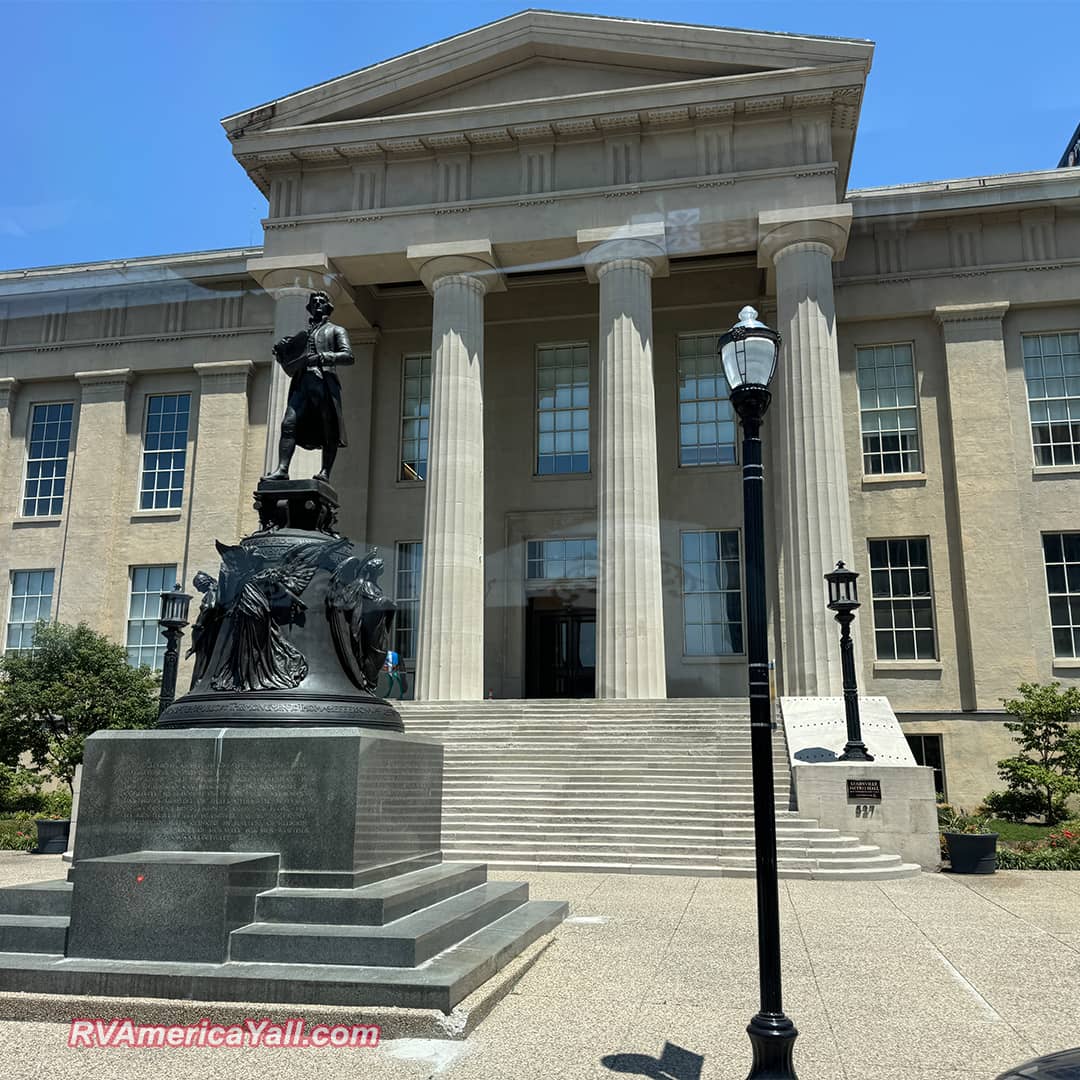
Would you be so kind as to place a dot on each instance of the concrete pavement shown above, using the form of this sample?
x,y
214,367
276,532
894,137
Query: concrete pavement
x,y
934,978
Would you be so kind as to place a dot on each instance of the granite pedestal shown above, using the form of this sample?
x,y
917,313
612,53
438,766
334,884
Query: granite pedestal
x,y
274,864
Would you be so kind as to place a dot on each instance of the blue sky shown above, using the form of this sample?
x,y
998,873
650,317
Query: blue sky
x,y
111,109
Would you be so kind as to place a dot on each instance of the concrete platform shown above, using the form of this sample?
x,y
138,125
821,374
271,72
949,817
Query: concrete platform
x,y
933,978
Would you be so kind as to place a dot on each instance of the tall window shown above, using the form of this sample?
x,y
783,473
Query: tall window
x,y
562,409
407,569
706,419
415,417
164,451
712,593
47,459
1052,369
31,599
903,600
888,409
926,749
560,559
1062,554
145,645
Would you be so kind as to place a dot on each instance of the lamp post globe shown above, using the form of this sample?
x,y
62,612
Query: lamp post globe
x,y
173,619
748,353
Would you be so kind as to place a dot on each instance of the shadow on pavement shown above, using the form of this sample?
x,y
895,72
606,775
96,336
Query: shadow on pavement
x,y
674,1063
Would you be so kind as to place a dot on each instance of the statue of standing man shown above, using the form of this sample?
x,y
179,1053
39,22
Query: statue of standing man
x,y
313,417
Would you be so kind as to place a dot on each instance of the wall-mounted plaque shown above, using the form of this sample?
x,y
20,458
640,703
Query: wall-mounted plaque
x,y
864,790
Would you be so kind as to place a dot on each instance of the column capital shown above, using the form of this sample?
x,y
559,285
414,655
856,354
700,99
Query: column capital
x,y
112,385
283,276
472,259
956,318
224,376
780,229
641,242
9,389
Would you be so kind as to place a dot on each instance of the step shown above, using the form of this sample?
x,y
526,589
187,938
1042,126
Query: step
x,y
33,933
440,984
37,898
596,847
406,942
373,905
852,873
872,857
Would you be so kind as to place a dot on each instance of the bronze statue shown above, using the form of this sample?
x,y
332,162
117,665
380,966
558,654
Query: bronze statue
x,y
361,618
313,416
205,631
256,600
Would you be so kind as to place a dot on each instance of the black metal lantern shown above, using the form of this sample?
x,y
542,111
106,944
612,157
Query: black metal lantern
x,y
748,352
843,600
843,592
174,608
173,619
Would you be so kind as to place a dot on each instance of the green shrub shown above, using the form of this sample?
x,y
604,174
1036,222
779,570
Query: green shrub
x,y
55,804
20,789
1047,770
1057,851
17,835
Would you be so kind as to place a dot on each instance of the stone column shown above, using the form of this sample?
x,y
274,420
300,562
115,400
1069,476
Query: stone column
x,y
450,637
86,575
814,516
1001,651
630,657
220,508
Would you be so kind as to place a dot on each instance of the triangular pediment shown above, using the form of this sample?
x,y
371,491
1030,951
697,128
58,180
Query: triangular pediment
x,y
540,55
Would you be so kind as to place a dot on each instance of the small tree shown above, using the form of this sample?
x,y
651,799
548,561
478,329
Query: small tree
x,y
73,683
1047,772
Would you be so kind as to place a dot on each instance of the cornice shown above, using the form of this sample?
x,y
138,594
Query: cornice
x,y
111,385
134,339
991,312
9,390
906,276
552,197
575,117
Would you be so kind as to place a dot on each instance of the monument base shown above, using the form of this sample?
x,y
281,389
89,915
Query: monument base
x,y
265,864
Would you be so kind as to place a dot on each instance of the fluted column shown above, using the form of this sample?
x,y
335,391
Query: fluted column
x,y
814,518
630,658
450,633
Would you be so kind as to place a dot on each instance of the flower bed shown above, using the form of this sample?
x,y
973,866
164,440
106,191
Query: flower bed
x,y
1059,850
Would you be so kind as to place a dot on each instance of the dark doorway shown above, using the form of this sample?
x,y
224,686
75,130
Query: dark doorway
x,y
560,644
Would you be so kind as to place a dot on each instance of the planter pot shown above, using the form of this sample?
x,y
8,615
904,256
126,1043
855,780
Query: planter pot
x,y
52,836
972,853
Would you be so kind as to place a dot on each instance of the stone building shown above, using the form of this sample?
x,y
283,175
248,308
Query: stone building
x,y
535,232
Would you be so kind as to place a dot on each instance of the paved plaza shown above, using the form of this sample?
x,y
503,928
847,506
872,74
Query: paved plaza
x,y
933,978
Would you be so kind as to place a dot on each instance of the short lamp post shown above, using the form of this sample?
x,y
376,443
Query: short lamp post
x,y
844,600
174,617
748,352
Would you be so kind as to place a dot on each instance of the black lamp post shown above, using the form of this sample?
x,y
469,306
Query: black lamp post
x,y
748,352
174,617
843,600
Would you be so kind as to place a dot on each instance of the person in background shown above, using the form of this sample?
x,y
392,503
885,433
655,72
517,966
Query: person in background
x,y
396,673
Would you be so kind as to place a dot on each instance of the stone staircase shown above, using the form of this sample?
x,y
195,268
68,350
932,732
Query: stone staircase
x,y
643,787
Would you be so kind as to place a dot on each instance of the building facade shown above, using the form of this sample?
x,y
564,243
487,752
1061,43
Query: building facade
x,y
535,233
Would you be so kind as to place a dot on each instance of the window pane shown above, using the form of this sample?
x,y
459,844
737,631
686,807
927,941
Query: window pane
x,y
886,378
562,408
706,419
47,454
31,600
415,411
144,640
1051,396
902,593
1061,552
162,479
712,593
